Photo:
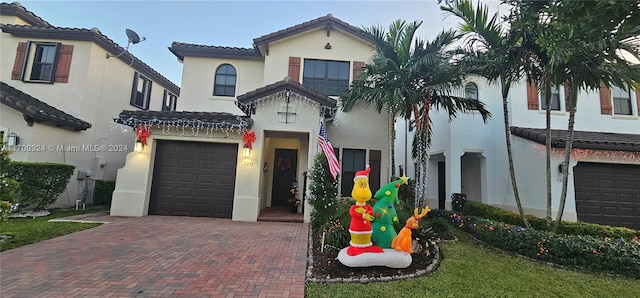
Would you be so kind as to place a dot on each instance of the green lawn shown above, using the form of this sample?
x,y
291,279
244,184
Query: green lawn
x,y
470,270
31,230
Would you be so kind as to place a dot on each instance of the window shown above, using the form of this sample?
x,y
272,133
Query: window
x,y
169,101
225,82
328,77
555,99
141,93
43,62
471,91
621,101
353,160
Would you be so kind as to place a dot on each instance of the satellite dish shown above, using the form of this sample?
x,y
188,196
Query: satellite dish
x,y
133,38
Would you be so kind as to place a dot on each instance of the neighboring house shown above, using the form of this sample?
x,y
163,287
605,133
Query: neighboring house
x,y
281,89
469,157
60,88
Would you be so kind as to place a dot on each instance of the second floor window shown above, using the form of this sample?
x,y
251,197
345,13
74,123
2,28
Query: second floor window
x,y
169,101
328,77
555,99
621,101
141,93
225,81
471,91
43,62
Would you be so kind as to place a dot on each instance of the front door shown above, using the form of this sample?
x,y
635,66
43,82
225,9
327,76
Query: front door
x,y
285,171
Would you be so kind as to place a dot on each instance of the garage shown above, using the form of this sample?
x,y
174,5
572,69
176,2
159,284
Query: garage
x,y
193,179
608,193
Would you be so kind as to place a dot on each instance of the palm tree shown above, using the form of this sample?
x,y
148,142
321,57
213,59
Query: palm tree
x,y
408,77
497,54
582,41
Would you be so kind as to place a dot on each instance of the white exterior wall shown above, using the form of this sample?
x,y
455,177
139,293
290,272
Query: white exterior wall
x,y
98,89
198,80
311,46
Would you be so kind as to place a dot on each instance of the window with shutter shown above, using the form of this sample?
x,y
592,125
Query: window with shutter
x,y
141,91
42,62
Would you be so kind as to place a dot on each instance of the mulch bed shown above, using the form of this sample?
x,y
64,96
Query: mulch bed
x,y
326,266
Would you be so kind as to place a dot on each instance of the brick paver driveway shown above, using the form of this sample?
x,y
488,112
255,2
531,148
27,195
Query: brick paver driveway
x,y
162,256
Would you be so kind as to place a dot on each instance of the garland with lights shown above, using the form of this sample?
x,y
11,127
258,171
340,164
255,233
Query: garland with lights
x,y
580,154
276,99
183,126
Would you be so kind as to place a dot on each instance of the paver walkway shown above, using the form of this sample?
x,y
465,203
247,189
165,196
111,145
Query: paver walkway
x,y
162,256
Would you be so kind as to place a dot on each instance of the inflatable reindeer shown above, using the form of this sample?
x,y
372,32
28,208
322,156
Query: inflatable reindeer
x,y
402,242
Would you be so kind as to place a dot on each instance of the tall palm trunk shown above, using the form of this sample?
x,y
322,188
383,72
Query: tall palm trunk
x,y
573,101
507,130
422,133
547,99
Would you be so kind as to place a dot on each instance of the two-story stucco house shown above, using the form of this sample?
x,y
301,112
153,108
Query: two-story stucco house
x,y
60,88
469,157
280,90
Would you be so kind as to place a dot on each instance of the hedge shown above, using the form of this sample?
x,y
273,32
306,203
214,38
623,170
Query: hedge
x,y
103,192
572,228
40,182
599,254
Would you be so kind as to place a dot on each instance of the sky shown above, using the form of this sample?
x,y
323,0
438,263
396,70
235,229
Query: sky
x,y
224,23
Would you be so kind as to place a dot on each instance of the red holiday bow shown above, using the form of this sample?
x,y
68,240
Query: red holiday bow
x,y
248,138
142,133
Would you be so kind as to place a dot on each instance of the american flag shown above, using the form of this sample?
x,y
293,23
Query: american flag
x,y
323,141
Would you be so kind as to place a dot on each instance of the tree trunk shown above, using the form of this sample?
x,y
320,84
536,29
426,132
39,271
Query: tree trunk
x,y
573,100
547,99
507,131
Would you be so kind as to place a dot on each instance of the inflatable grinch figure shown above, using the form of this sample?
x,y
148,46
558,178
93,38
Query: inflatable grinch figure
x,y
361,216
385,213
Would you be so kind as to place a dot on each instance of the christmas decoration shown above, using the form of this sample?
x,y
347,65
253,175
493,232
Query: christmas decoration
x,y
402,242
361,216
248,138
142,133
385,213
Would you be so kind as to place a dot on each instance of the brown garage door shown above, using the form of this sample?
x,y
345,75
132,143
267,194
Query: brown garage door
x,y
193,179
608,194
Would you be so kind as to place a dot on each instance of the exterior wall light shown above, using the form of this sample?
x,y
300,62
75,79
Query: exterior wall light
x,y
246,151
12,139
138,147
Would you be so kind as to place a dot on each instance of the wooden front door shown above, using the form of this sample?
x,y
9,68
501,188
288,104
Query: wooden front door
x,y
285,169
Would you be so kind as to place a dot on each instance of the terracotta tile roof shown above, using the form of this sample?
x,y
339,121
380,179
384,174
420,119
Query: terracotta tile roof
x,y
38,111
328,21
180,119
16,9
94,35
582,139
181,49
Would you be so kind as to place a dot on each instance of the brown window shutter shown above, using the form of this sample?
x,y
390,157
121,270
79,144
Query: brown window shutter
x,y
64,63
16,74
294,68
533,102
605,100
358,68
375,162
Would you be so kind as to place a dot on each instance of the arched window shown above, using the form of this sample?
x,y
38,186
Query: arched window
x,y
225,83
471,91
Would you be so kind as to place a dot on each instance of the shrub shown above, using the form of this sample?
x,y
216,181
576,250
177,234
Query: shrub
x,y
323,192
601,254
458,200
40,182
440,226
572,228
103,191
8,186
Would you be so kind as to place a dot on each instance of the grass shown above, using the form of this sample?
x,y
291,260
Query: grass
x,y
31,230
471,270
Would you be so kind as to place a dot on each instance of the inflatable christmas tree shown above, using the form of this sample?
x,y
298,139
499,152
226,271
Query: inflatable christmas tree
x,y
385,213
